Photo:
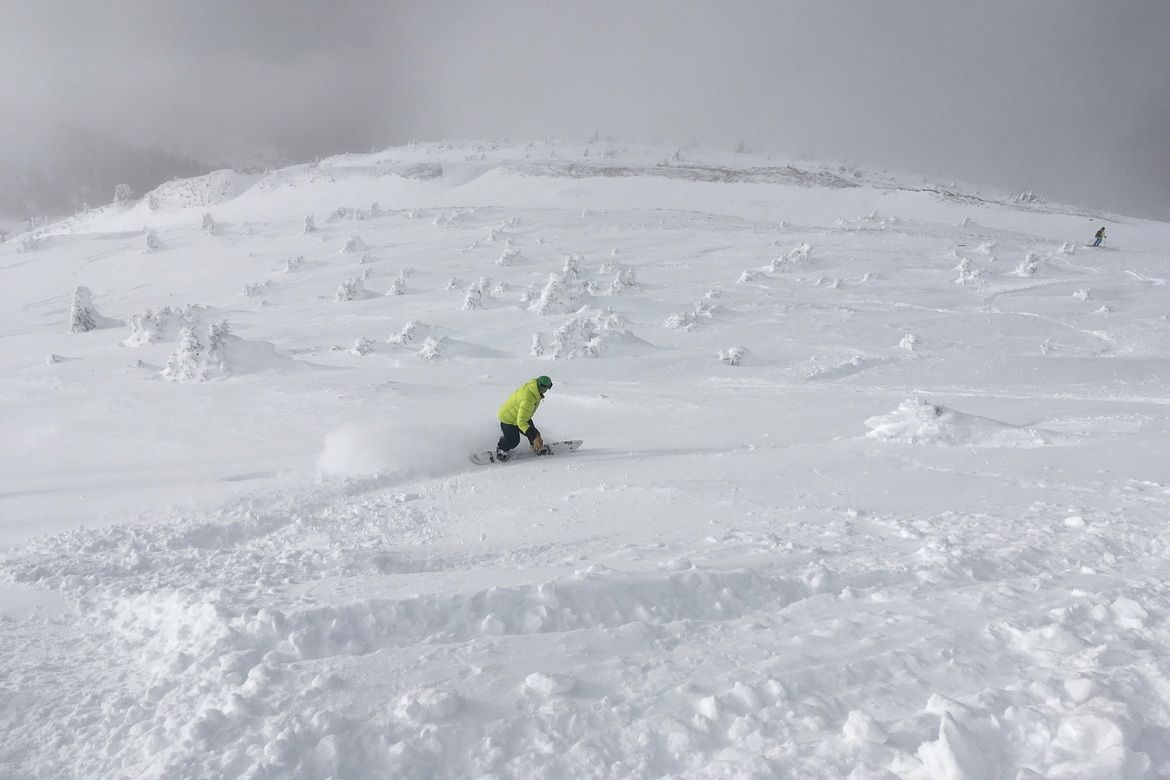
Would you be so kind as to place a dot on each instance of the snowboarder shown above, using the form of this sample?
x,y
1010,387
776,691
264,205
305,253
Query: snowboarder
x,y
1099,236
516,417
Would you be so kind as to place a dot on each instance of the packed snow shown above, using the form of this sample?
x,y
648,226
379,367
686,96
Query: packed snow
x,y
875,477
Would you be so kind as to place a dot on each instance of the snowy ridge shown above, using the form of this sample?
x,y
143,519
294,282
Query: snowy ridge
x,y
241,537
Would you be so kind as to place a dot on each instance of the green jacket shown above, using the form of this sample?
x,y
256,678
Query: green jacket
x,y
521,405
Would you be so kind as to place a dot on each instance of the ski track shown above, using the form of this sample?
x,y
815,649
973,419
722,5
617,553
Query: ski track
x,y
731,579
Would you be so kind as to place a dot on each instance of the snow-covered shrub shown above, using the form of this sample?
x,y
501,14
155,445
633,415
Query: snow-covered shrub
x,y
473,298
255,289
123,193
562,292
508,257
367,259
1083,294
713,293
349,290
1028,266
1068,248
83,317
374,211
968,273
798,254
501,288
909,342
432,348
406,272
196,361
623,279
1027,196
965,222
530,293
158,325
537,346
733,356
208,225
455,283
746,277
363,346
28,243
346,212
586,334
495,234
690,320
408,333
293,263
397,287
153,243
354,245
310,225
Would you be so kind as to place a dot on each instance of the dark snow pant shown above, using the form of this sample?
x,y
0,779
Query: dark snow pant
x,y
512,434
1097,242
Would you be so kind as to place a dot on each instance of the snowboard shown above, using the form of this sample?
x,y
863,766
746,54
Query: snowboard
x,y
525,453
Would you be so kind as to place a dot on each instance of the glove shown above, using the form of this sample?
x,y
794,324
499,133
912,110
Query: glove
x,y
537,443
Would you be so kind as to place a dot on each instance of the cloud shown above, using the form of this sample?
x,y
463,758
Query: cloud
x,y
1065,98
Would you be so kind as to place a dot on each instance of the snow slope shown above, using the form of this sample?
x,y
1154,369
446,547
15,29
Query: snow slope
x,y
874,481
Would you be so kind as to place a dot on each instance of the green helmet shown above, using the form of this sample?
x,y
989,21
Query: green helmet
x,y
543,382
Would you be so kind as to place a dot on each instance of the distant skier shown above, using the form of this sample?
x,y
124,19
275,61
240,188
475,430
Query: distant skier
x,y
516,417
1099,236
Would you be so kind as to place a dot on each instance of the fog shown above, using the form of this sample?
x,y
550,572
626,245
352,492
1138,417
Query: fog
x,y
1069,99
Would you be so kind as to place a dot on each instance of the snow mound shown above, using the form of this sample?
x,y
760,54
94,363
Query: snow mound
x,y
202,191
917,421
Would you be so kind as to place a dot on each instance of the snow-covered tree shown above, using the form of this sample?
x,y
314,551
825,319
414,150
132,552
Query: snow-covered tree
x,y
473,299
83,317
153,244
537,345
215,360
397,287
185,363
208,226
968,273
733,356
747,276
432,348
310,225
363,346
123,193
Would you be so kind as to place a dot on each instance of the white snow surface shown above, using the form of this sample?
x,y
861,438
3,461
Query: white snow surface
x,y
903,528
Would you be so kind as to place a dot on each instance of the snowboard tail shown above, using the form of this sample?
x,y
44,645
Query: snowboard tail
x,y
524,453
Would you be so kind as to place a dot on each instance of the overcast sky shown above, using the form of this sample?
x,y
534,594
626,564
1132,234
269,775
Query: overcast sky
x,y
1069,98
